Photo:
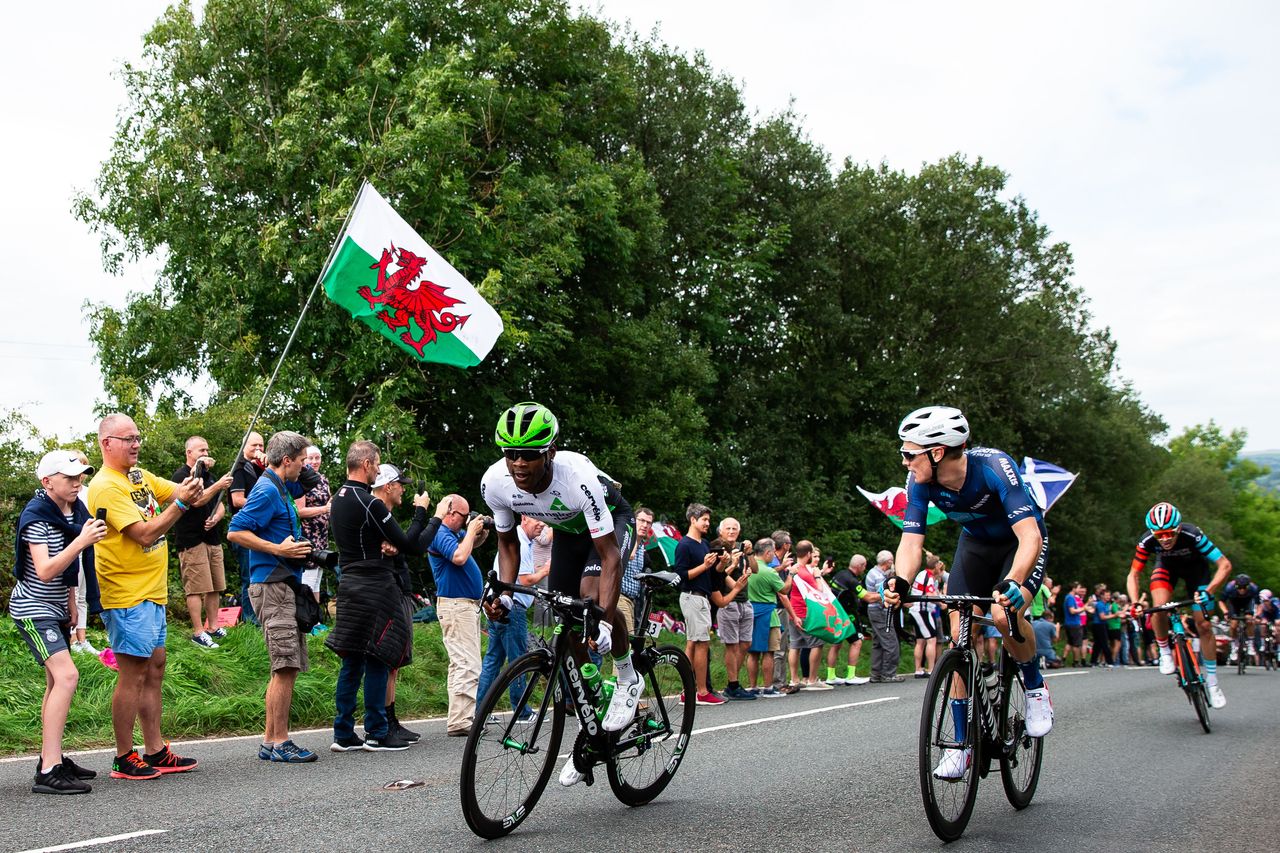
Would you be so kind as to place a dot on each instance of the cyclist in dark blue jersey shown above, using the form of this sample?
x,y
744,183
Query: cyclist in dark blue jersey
x,y
1002,545
1183,552
1240,599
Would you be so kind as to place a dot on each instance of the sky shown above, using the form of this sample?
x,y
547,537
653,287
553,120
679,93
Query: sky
x,y
1143,134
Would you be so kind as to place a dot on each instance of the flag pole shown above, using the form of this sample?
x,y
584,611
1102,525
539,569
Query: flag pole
x,y
333,250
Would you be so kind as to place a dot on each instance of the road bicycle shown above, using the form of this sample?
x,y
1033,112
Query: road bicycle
x,y
514,745
1187,668
995,728
1242,644
1268,648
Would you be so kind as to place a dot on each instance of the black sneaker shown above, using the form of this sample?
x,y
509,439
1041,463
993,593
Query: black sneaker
x,y
346,744
76,770
391,743
59,780
406,734
131,766
167,761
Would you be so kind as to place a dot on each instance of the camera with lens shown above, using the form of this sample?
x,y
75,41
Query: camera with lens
x,y
488,520
324,558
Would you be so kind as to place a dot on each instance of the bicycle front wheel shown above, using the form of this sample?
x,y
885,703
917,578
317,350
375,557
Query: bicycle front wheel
x,y
949,801
512,747
651,748
1193,682
1020,754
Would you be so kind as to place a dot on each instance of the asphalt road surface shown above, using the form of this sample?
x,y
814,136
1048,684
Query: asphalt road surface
x,y
1126,768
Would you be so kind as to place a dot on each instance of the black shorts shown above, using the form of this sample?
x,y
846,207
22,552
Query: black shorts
x,y
45,637
1237,610
1194,577
978,566
1075,635
573,555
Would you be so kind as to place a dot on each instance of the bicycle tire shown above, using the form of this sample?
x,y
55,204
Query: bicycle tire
x,y
497,792
947,803
640,772
1242,652
1020,754
1193,683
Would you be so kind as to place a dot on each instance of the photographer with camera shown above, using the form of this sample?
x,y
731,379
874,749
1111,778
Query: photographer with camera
x,y
268,526
373,630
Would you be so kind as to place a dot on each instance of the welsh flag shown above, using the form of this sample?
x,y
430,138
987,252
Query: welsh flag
x,y
893,503
664,538
824,618
388,278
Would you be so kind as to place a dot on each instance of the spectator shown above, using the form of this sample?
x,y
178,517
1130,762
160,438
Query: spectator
x,y
132,563
313,509
1118,629
1098,618
248,468
1042,623
735,619
636,563
268,526
1074,619
853,596
508,640
785,560
696,564
802,642
926,643
541,620
54,547
940,578
764,592
459,585
373,630
80,639
199,545
886,651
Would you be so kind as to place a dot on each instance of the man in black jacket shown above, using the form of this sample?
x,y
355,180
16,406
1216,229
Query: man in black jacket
x,y
372,631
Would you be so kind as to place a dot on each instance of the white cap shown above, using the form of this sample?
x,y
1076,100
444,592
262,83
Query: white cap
x,y
61,462
389,474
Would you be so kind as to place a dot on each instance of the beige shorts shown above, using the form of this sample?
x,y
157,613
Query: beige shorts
x,y
696,610
775,639
627,608
202,570
274,604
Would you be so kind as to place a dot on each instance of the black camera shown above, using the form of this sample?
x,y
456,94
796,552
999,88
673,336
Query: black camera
x,y
488,521
198,471
324,558
415,485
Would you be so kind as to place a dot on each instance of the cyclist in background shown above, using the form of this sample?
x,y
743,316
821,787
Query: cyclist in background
x,y
1239,601
1182,552
1269,613
1001,551
593,525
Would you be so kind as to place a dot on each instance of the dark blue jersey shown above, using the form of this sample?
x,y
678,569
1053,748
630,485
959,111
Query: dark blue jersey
x,y
1241,595
1192,551
992,499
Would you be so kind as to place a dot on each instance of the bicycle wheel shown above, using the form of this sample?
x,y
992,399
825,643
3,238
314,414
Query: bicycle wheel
x,y
948,802
1242,651
651,748
1020,754
1193,683
506,762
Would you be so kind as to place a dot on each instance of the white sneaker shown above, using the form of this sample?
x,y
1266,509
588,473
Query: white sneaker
x,y
570,776
1166,665
953,764
1039,712
815,685
622,706
1217,698
857,679
836,682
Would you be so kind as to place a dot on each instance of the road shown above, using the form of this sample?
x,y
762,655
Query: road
x,y
1126,768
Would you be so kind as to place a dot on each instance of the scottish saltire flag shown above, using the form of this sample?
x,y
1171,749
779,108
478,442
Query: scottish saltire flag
x,y
664,538
388,278
893,503
1047,481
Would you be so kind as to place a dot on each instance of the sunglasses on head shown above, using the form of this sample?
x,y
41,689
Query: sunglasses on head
x,y
528,454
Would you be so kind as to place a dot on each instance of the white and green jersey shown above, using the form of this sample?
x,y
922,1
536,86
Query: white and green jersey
x,y
574,501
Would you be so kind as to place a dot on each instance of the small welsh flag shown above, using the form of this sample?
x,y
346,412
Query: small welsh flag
x,y
893,503
388,278
664,538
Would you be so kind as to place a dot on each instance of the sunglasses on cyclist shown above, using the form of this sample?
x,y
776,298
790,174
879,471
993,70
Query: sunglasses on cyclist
x,y
909,455
528,454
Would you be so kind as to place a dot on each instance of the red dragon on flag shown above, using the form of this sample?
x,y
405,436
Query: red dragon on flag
x,y
404,297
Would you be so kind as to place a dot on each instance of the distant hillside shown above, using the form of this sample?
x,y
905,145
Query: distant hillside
x,y
1271,459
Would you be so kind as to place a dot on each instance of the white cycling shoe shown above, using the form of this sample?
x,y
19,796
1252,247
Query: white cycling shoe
x,y
622,707
1217,698
570,776
1166,665
1235,655
1039,712
953,764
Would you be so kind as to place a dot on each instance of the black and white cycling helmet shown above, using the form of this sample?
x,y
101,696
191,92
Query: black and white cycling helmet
x,y
934,425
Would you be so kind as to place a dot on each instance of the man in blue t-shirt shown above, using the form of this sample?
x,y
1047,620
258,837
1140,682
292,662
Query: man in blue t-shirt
x,y
458,587
696,564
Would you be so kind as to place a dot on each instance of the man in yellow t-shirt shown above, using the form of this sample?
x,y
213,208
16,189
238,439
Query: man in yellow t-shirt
x,y
133,566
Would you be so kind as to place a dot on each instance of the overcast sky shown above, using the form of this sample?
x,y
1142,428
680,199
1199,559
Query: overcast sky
x,y
1143,133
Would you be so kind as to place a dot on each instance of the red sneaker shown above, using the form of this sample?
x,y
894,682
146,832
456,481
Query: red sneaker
x,y
709,699
166,761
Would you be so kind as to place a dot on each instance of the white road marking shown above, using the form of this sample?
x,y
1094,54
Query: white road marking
x,y
1061,674
94,842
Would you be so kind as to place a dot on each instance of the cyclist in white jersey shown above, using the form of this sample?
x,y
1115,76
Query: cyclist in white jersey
x,y
593,525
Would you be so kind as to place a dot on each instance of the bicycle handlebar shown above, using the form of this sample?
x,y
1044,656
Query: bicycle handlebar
x,y
908,598
1170,606
557,600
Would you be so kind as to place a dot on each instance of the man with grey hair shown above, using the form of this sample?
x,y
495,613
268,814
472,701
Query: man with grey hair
x,y
269,527
736,618
886,651
784,560
853,597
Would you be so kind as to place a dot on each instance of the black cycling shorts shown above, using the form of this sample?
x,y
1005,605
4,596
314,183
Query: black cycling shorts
x,y
979,566
573,555
1194,577
1238,609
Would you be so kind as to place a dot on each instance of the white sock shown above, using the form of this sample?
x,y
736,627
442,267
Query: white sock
x,y
626,669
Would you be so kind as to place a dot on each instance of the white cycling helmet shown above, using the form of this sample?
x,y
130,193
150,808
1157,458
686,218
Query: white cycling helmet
x,y
1265,594
934,425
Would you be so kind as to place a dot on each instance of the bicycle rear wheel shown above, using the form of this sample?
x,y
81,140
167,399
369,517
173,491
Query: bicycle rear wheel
x,y
1192,682
652,747
948,802
508,759
1020,754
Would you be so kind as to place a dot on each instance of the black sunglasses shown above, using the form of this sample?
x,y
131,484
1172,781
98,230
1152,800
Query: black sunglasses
x,y
528,454
908,455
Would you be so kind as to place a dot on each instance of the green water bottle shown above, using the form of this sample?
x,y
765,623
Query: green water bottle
x,y
591,675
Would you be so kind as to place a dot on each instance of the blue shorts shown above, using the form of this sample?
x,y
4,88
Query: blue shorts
x,y
135,631
763,614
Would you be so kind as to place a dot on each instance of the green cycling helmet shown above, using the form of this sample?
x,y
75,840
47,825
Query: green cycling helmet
x,y
526,425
